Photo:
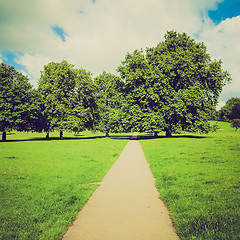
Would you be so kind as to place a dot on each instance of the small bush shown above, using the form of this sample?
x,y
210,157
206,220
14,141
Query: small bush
x,y
235,123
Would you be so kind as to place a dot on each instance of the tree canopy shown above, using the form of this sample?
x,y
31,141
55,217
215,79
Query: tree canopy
x,y
17,107
231,110
235,123
173,86
68,96
56,86
85,113
109,100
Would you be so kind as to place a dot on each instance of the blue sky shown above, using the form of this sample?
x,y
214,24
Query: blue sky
x,y
225,9
96,35
59,32
10,57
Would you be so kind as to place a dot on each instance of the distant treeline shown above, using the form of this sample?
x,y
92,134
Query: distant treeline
x,y
230,111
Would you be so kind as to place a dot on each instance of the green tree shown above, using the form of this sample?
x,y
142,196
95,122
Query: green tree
x,y
56,85
109,100
235,123
69,98
174,86
17,102
142,112
38,121
85,111
231,110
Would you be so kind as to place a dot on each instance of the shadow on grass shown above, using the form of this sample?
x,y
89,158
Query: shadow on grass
x,y
54,139
121,137
115,137
148,137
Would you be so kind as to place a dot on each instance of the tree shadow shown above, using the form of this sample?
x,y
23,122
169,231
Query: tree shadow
x,y
148,137
115,137
121,137
53,139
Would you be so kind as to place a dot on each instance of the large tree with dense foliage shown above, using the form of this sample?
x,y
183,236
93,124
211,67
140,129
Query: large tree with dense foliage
x,y
173,86
56,86
69,97
109,100
85,113
231,110
18,109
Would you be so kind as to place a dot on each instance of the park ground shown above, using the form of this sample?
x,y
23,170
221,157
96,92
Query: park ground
x,y
44,184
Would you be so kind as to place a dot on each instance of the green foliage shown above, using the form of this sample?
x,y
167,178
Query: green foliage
x,y
235,123
198,179
231,110
174,86
85,113
142,112
44,184
56,86
17,100
69,97
109,100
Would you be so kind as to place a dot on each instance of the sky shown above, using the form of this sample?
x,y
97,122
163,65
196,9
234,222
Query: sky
x,y
97,34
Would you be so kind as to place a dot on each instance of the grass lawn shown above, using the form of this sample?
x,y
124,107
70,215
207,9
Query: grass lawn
x,y
198,179
44,184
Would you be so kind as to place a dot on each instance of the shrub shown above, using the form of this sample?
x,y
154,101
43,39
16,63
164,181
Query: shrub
x,y
235,123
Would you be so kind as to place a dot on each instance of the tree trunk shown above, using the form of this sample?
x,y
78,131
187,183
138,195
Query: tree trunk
x,y
4,136
155,134
61,134
168,133
47,135
107,134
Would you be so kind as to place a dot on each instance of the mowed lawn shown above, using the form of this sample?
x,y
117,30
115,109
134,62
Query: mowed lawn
x,y
44,184
198,178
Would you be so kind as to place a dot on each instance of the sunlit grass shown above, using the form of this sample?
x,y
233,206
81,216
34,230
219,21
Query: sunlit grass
x,y
45,183
198,179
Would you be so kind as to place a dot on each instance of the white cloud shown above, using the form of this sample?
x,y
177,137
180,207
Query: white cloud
x,y
220,104
222,41
99,38
34,64
24,73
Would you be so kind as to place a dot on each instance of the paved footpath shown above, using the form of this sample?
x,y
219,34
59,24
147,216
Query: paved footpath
x,y
126,206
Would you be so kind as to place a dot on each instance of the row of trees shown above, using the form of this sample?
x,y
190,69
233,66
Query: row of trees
x,y
171,87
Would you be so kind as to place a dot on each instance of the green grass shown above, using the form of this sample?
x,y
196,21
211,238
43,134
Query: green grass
x,y
198,179
44,184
